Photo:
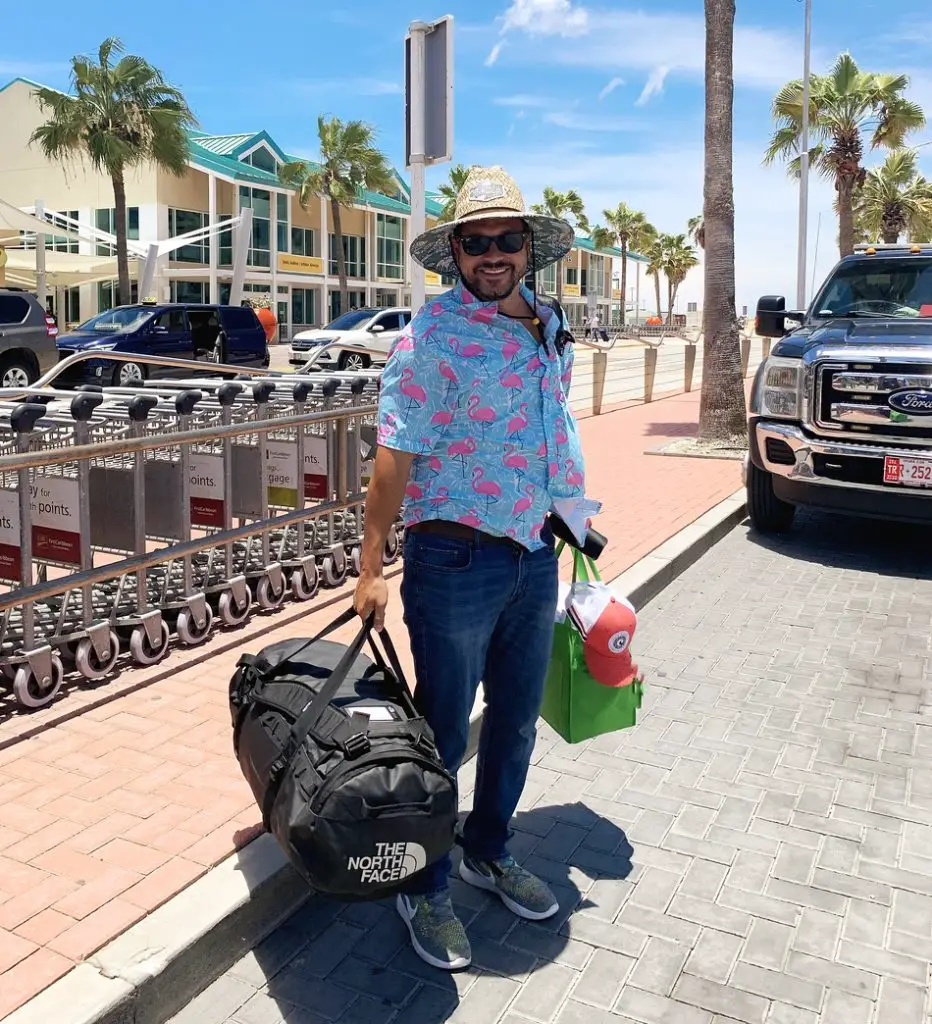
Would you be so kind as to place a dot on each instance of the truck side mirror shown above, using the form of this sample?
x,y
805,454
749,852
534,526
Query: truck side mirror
x,y
771,316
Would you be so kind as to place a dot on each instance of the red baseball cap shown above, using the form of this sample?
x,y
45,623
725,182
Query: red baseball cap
x,y
607,625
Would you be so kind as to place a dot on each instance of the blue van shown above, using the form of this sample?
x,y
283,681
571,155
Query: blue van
x,y
207,333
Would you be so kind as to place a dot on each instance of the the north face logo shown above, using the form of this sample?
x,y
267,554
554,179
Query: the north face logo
x,y
392,862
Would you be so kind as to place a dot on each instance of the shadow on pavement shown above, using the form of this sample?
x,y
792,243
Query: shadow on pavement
x,y
352,963
848,542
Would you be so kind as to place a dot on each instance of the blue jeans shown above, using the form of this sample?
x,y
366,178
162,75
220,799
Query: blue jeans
x,y
477,610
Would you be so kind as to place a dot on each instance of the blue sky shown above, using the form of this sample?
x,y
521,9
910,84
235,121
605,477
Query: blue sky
x,y
605,97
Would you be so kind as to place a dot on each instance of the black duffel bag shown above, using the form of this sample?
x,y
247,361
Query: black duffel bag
x,y
344,769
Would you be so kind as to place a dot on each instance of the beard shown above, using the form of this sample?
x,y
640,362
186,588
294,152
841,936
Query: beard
x,y
486,291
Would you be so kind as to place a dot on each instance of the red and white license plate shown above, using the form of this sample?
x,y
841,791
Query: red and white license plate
x,y
907,472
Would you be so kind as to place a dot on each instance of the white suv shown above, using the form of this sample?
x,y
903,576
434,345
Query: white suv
x,y
367,333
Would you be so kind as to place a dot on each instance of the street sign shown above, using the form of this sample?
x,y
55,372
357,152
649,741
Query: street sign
x,y
436,88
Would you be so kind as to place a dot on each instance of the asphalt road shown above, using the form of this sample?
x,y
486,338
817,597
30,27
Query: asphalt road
x,y
756,849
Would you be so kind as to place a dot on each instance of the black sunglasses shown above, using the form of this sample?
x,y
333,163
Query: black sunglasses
x,y
478,245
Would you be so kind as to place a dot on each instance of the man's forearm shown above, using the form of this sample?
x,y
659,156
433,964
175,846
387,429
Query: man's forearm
x,y
383,500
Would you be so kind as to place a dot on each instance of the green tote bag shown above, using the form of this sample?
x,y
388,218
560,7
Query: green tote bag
x,y
575,705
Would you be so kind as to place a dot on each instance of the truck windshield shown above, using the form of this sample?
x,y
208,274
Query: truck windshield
x,y
875,287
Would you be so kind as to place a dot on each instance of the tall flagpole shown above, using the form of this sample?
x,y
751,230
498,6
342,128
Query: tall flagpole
x,y
804,169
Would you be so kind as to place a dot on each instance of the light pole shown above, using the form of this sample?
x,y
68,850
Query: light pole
x,y
804,169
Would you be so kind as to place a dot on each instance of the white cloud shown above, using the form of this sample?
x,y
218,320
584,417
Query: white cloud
x,y
653,86
611,87
546,18
525,100
618,38
494,54
584,123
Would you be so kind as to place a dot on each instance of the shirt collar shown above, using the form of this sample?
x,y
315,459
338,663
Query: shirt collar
x,y
548,315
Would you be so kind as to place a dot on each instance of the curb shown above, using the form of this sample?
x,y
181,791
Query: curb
x,y
150,972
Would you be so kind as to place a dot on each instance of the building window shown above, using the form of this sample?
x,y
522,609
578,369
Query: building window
x,y
260,201
583,281
281,213
354,249
385,298
302,242
389,240
548,280
263,159
180,222
355,300
571,275
108,294
302,307
106,221
60,243
72,305
189,291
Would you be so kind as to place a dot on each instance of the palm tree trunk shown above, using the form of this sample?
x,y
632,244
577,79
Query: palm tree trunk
x,y
669,301
657,293
845,216
341,255
624,278
119,202
721,406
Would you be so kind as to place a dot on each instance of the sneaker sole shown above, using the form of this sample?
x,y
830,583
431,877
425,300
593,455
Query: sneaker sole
x,y
480,881
444,965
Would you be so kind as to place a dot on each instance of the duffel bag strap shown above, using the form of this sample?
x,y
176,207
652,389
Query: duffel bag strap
x,y
311,716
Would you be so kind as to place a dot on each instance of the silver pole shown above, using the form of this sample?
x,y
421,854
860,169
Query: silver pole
x,y
804,169
418,32
41,289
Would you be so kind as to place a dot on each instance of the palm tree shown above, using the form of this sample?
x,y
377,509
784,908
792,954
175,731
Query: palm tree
x,y
451,189
629,227
679,257
119,116
349,163
847,107
695,228
653,251
568,206
895,199
721,404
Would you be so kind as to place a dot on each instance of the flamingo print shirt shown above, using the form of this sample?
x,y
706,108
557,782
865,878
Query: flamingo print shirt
x,y
483,407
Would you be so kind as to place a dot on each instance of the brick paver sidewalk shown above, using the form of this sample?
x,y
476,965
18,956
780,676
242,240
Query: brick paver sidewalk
x,y
756,849
118,796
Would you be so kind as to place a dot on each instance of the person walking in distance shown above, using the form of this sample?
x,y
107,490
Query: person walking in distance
x,y
478,452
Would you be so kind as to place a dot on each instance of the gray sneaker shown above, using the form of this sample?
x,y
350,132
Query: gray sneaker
x,y
437,934
522,893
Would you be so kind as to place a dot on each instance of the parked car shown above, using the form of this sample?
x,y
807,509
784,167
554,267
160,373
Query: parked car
x,y
224,334
841,411
27,338
368,334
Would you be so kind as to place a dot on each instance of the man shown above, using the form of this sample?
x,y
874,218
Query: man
x,y
476,436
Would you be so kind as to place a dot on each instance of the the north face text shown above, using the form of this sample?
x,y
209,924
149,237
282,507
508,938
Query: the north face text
x,y
391,862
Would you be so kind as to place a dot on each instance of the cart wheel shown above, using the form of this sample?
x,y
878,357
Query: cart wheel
x,y
266,596
30,693
302,588
189,633
230,612
331,576
142,650
87,662
392,548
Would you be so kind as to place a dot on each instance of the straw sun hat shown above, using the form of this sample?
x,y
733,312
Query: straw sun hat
x,y
490,193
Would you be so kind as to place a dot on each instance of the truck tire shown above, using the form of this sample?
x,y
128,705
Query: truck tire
x,y
767,512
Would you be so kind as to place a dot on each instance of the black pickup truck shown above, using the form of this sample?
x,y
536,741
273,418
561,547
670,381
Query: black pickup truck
x,y
841,411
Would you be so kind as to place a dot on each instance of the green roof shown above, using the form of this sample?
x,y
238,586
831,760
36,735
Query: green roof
x,y
223,145
585,242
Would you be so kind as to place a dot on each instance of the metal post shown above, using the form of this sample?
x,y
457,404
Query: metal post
x,y
418,30
41,290
804,168
242,237
213,238
147,284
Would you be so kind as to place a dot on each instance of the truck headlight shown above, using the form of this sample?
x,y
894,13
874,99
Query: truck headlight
x,y
778,389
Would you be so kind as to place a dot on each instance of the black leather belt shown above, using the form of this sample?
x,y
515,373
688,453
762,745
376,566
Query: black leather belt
x,y
459,531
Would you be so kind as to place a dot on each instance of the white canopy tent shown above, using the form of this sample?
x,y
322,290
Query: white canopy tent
x,y
62,269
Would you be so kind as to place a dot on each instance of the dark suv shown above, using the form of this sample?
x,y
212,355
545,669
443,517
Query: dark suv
x,y
841,411
218,334
27,338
